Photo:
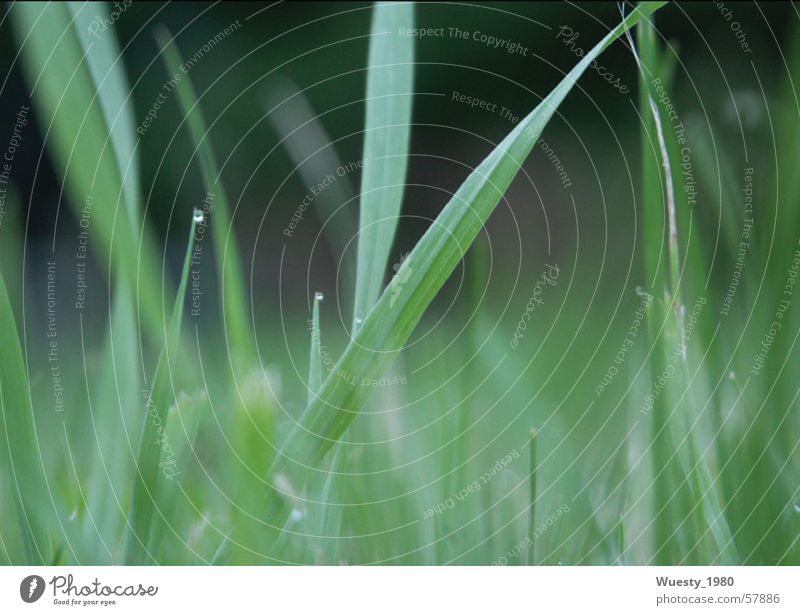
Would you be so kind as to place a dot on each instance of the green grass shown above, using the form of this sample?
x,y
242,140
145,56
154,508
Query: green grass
x,y
194,448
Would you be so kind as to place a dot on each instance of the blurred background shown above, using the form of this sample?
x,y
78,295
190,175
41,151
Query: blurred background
x,y
321,48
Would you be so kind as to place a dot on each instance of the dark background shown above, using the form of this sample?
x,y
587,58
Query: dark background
x,y
322,46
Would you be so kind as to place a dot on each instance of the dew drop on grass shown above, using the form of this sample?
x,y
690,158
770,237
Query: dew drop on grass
x,y
198,215
318,296
297,515
797,506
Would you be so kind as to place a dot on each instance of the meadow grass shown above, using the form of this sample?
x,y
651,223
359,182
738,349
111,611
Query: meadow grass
x,y
196,458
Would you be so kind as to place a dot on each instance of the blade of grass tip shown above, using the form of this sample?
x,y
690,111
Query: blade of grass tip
x,y
314,383
229,264
390,79
22,459
327,521
532,508
316,513
315,358
314,156
394,317
146,480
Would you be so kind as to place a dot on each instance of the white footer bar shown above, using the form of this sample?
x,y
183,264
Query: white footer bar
x,y
400,590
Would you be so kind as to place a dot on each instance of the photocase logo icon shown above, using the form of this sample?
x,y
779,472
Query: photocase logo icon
x,y
31,588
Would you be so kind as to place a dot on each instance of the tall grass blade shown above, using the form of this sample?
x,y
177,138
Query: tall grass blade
x,y
315,357
229,264
390,79
394,317
115,405
85,110
656,271
682,475
145,501
104,61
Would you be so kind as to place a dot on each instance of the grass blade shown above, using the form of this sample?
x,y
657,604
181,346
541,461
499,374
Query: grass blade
x,y
83,106
116,413
315,358
422,274
390,79
654,215
226,247
146,487
682,475
103,60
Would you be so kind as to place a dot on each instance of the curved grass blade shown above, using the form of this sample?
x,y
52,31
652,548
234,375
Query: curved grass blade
x,y
229,262
83,104
390,79
145,500
394,317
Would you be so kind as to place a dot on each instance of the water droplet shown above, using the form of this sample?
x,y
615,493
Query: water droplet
x,y
797,506
359,319
198,215
731,375
297,515
318,296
